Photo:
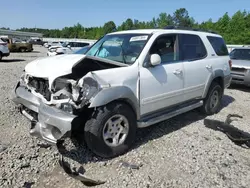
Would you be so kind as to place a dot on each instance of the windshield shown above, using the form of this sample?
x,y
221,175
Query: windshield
x,y
124,48
241,54
82,50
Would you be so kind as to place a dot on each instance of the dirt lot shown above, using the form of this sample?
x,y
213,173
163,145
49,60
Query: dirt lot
x,y
180,152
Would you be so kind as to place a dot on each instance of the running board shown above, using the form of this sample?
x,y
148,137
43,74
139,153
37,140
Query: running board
x,y
163,117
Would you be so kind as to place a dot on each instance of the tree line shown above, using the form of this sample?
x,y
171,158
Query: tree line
x,y
234,29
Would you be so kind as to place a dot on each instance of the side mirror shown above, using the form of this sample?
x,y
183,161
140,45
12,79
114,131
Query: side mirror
x,y
68,46
155,59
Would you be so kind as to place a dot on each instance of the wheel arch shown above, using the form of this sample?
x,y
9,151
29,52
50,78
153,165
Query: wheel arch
x,y
217,76
120,94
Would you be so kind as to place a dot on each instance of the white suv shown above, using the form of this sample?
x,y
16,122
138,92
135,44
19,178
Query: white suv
x,y
127,80
4,50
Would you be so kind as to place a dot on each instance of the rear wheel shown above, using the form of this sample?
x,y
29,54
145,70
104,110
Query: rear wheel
x,y
212,102
111,130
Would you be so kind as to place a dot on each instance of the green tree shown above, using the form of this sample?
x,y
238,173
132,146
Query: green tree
x,y
109,27
181,18
164,20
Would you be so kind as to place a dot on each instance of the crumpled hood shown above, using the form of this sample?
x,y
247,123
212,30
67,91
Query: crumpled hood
x,y
241,63
53,66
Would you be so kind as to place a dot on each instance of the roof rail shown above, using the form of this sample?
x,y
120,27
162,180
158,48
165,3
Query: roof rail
x,y
189,29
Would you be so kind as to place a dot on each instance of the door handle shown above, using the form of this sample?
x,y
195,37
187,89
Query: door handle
x,y
177,71
209,66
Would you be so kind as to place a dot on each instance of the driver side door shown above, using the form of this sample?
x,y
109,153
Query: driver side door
x,y
162,86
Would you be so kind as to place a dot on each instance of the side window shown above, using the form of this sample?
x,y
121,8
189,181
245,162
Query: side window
x,y
83,44
167,47
218,45
192,47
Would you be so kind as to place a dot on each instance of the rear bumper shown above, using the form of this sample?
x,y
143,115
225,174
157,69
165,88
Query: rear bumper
x,y
227,81
47,123
242,78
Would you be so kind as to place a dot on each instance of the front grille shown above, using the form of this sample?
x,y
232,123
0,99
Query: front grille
x,y
41,86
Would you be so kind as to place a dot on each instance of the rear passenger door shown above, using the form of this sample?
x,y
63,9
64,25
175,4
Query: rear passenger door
x,y
196,68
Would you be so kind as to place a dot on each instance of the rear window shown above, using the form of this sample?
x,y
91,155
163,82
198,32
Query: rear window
x,y
218,45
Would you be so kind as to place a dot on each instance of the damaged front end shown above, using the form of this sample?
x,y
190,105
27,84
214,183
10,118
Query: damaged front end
x,y
52,120
52,105
70,95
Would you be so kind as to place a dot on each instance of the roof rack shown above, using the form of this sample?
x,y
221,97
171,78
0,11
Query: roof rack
x,y
189,29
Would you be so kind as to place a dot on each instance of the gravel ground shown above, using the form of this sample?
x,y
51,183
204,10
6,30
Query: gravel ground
x,y
180,152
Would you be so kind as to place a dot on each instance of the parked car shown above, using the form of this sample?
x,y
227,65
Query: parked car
x,y
126,80
61,51
16,45
4,50
241,66
54,44
36,42
66,48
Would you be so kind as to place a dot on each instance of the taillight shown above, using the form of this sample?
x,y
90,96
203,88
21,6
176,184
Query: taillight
x,y
230,64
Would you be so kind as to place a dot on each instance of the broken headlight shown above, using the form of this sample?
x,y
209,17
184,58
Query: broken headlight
x,y
61,89
85,90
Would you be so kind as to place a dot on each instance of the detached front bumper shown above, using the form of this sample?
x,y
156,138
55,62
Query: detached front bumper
x,y
47,122
52,124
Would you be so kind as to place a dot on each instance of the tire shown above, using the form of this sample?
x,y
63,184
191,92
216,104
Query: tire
x,y
1,56
212,102
97,125
22,49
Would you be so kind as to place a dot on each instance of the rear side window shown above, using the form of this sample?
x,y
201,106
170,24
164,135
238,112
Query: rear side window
x,y
192,47
218,45
83,44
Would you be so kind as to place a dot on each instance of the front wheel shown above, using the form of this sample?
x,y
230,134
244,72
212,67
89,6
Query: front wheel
x,y
111,130
212,102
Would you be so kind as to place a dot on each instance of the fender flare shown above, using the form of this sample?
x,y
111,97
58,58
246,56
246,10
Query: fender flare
x,y
121,93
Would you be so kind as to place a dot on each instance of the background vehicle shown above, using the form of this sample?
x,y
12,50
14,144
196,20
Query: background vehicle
x,y
16,45
4,50
36,41
127,80
66,48
240,65
54,44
